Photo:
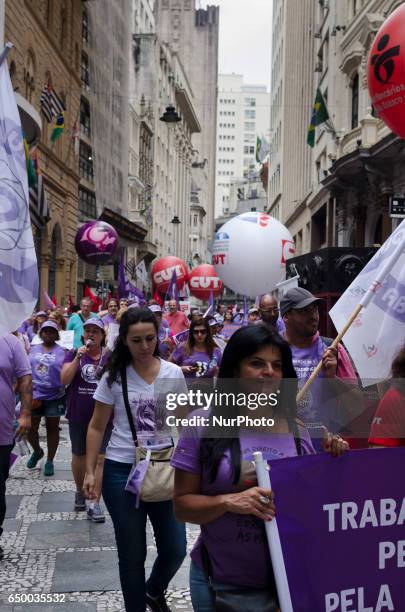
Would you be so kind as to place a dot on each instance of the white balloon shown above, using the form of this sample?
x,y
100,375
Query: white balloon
x,y
250,252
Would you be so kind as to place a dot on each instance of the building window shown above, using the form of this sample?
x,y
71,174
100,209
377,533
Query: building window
x,y
85,74
355,101
249,126
250,114
86,162
87,204
29,77
85,117
250,101
56,242
85,28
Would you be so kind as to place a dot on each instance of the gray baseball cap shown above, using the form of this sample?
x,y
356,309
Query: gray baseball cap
x,y
297,298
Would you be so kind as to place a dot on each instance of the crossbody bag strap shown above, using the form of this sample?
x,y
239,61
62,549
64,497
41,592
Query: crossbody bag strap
x,y
127,407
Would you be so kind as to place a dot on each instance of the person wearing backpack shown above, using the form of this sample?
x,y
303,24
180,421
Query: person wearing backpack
x,y
138,478
320,406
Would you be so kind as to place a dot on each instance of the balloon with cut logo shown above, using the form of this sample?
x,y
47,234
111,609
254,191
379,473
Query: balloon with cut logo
x,y
162,272
202,280
96,242
250,251
386,72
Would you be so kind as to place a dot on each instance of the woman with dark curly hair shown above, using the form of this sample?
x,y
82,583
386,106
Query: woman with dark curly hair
x,y
215,480
134,378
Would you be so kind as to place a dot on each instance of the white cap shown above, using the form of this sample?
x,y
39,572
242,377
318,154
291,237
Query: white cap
x,y
155,308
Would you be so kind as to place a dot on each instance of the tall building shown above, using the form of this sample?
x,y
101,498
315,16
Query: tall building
x,y
47,43
177,66
342,185
243,115
105,132
292,95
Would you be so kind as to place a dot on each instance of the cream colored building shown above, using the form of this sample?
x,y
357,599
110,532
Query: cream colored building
x,y
242,116
340,189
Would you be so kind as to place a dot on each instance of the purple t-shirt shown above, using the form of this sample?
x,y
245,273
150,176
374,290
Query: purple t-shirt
x,y
236,543
80,401
107,319
46,368
229,329
13,364
206,364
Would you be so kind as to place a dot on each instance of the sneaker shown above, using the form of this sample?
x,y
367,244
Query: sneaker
x,y
35,457
48,469
157,604
80,501
96,514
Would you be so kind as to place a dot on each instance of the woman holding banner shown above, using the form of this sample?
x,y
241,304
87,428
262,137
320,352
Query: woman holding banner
x,y
215,481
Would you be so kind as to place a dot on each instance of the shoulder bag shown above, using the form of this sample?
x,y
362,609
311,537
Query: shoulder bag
x,y
158,474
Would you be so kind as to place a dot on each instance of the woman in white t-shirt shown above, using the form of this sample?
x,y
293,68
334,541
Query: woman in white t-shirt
x,y
147,375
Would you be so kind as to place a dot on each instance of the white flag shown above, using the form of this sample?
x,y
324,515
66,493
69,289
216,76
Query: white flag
x,y
378,333
18,262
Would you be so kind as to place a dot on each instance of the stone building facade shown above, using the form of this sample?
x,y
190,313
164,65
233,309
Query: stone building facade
x,y
341,187
47,43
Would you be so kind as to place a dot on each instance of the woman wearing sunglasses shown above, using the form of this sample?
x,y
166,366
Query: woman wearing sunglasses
x,y
199,357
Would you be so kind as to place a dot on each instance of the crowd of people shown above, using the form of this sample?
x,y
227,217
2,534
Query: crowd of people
x,y
109,387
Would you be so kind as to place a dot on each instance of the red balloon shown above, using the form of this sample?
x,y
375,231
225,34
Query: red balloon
x,y
386,72
162,272
202,280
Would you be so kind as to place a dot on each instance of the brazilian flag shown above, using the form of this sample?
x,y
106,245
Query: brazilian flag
x,y
59,127
319,115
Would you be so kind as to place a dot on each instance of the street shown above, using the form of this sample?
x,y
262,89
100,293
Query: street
x,y
50,549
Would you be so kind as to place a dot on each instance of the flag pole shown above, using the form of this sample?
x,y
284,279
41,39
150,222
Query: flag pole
x,y
273,539
5,52
364,302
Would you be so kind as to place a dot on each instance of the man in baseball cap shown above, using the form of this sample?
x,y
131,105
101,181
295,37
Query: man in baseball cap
x,y
299,309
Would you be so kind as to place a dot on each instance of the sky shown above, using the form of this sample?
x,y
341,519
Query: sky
x,y
244,38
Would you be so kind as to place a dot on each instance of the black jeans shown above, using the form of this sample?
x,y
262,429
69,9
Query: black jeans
x,y
5,452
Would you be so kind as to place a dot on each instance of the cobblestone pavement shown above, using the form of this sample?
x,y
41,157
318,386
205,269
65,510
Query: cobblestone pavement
x,y
50,549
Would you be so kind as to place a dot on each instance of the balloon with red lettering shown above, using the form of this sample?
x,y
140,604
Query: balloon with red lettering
x,y
202,280
386,72
96,242
162,272
250,251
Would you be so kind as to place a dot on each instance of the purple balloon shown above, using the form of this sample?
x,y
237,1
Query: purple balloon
x,y
96,242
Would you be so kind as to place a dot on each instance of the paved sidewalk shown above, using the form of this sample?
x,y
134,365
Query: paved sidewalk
x,y
50,549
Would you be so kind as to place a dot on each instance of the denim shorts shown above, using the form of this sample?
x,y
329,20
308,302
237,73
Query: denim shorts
x,y
78,434
51,408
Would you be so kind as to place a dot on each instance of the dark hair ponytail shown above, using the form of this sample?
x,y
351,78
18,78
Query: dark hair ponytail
x,y
121,356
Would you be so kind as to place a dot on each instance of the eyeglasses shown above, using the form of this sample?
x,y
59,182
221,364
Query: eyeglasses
x,y
200,331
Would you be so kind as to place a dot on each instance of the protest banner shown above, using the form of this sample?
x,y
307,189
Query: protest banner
x,y
342,530
18,262
377,333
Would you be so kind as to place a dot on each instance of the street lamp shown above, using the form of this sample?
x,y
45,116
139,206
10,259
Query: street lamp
x,y
170,115
176,222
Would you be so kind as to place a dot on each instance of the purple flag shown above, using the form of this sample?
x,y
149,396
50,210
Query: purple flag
x,y
180,337
125,288
172,292
342,525
18,262
211,306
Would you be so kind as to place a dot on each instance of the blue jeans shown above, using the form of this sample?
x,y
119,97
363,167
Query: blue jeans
x,y
201,595
130,534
